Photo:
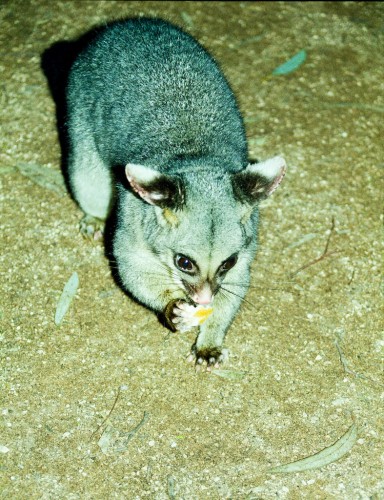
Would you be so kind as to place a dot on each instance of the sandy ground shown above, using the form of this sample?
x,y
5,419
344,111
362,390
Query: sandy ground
x,y
105,405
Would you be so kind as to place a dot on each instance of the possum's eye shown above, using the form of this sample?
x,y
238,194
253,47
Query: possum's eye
x,y
228,264
185,264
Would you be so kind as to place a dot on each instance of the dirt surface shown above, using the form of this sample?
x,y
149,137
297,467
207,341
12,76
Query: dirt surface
x,y
105,405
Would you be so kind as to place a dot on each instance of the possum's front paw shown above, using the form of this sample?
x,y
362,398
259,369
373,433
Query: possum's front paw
x,y
181,316
208,357
187,316
91,227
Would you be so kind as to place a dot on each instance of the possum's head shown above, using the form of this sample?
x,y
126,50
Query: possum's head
x,y
206,223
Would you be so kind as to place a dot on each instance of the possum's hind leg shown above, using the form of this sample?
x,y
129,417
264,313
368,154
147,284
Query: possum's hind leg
x,y
91,184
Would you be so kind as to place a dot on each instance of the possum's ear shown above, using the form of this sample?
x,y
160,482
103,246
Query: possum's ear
x,y
259,180
154,187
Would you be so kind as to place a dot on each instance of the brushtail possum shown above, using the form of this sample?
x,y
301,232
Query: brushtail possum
x,y
147,104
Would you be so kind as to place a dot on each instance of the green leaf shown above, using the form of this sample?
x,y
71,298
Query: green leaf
x,y
44,177
292,64
323,457
66,297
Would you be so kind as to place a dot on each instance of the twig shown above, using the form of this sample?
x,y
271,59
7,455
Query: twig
x,y
344,361
109,414
351,279
323,256
345,364
315,261
114,441
140,424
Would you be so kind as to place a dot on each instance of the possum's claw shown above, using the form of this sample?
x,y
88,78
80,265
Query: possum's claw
x,y
91,228
209,358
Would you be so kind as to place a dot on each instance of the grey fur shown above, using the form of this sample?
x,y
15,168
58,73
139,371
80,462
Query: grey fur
x,y
146,97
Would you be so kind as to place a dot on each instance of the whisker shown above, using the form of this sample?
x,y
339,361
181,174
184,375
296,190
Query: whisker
x,y
239,284
243,299
262,286
244,302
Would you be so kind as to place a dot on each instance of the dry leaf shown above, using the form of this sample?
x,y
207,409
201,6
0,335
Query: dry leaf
x,y
66,297
323,457
292,64
44,177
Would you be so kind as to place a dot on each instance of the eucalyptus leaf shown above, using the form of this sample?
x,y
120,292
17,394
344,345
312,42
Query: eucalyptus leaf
x,y
323,457
66,297
292,64
304,239
44,177
187,19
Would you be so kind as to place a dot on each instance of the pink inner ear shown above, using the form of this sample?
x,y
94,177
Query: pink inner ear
x,y
276,181
136,186
145,195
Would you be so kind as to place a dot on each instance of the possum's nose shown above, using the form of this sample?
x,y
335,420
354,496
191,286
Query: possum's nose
x,y
203,296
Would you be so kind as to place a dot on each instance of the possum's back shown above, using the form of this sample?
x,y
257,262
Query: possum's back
x,y
147,91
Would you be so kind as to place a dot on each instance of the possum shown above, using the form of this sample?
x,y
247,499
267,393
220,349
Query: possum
x,y
155,134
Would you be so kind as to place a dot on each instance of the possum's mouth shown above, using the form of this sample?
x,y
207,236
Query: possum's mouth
x,y
199,295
